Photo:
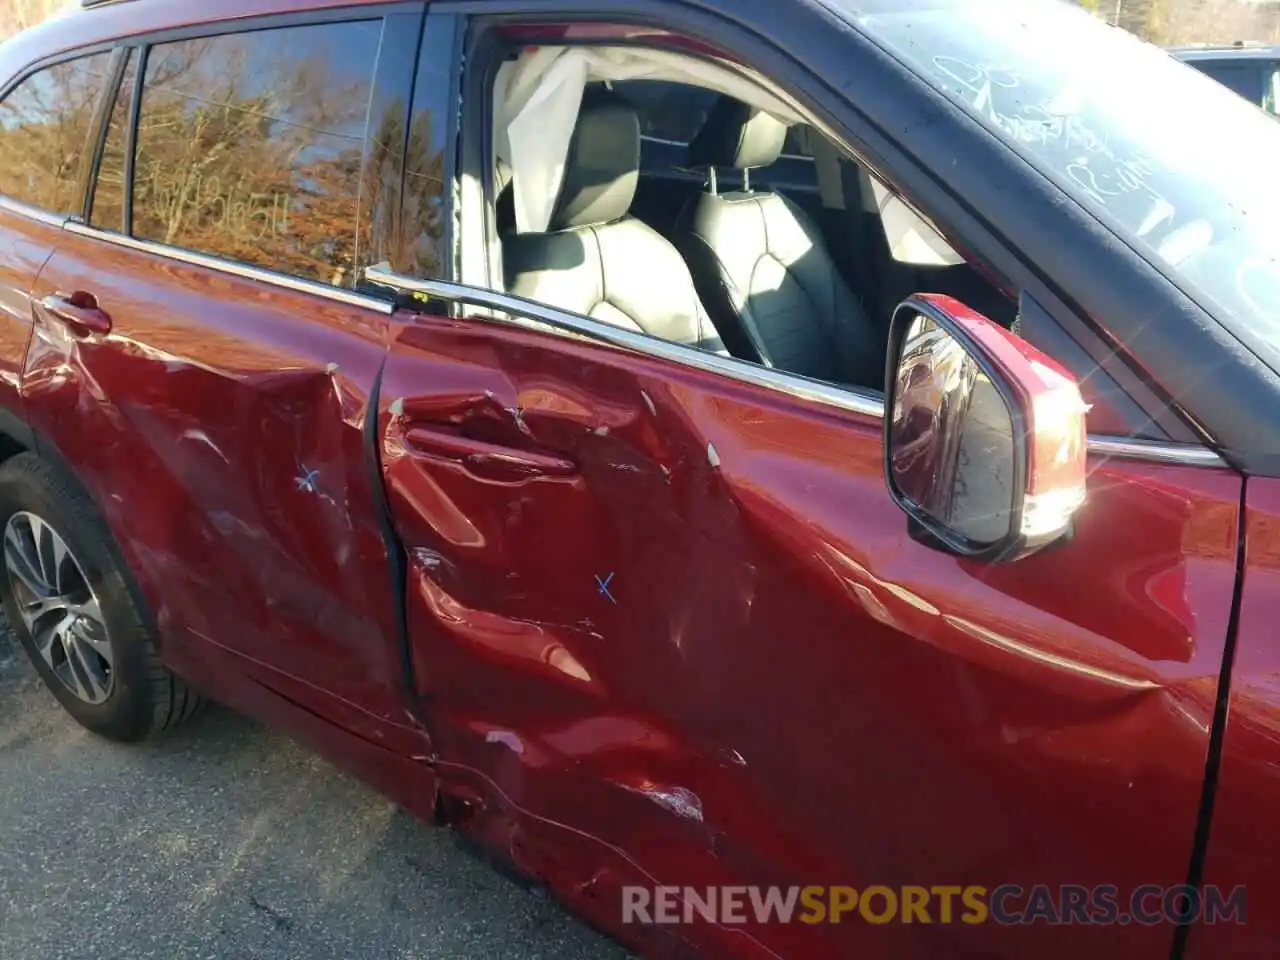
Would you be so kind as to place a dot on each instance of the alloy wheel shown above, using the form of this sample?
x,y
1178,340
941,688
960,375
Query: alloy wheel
x,y
59,607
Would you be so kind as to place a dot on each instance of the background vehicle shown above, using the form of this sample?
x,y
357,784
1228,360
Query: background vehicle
x,y
1250,69
659,519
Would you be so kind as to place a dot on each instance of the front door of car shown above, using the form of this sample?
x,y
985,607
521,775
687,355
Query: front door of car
x,y
679,614
669,627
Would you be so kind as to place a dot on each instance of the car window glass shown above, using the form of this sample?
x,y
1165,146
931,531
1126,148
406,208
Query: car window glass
x,y
107,211
761,267
1271,98
672,113
424,163
45,127
251,146
669,112
794,145
1243,78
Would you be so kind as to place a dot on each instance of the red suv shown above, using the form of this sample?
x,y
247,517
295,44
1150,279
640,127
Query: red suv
x,y
798,479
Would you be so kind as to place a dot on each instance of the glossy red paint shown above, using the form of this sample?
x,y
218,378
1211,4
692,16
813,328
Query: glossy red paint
x,y
1243,846
665,628
708,652
25,245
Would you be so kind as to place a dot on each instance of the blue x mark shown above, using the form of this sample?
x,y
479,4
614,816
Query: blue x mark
x,y
604,587
308,480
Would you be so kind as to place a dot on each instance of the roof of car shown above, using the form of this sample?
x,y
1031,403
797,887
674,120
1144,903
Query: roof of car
x,y
109,20
1240,50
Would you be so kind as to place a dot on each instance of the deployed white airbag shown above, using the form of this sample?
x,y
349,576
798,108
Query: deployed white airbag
x,y
911,239
536,102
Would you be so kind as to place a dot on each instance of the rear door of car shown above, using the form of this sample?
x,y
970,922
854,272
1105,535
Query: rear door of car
x,y
204,361
48,116
669,628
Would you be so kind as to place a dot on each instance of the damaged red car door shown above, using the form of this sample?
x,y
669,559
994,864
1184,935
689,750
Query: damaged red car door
x,y
671,629
239,399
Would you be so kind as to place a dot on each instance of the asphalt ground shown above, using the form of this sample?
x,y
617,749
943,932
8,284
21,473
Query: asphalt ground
x,y
227,840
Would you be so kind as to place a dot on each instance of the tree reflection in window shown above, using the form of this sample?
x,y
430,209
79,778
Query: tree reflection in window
x,y
107,210
424,234
45,124
250,147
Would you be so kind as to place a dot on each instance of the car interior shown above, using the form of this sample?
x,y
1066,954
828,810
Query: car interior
x,y
695,206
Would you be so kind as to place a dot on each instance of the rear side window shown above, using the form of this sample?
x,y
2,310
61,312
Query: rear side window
x,y
1244,78
250,146
670,113
107,211
45,126
673,113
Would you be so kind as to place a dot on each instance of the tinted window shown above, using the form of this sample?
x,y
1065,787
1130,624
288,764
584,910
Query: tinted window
x,y
673,112
1244,78
108,193
45,127
424,164
251,146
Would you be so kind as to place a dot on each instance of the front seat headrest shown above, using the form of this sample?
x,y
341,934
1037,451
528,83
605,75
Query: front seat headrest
x,y
603,163
738,135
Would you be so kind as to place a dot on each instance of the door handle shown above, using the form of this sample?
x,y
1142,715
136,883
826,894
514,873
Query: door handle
x,y
80,312
488,460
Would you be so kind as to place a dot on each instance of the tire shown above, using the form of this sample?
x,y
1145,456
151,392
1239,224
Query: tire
x,y
81,607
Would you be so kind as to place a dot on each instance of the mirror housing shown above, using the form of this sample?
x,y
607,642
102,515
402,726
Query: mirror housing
x,y
985,440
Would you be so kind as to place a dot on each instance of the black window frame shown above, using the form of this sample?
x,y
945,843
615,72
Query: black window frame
x,y
123,54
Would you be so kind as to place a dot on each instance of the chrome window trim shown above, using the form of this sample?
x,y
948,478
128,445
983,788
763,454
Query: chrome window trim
x,y
297,284
1155,451
534,313
524,311
856,402
21,209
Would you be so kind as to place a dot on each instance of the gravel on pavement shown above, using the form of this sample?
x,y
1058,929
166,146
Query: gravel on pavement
x,y
227,840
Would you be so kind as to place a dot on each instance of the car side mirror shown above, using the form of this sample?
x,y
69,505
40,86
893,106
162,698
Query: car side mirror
x,y
985,439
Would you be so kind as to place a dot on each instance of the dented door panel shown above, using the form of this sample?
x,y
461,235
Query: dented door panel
x,y
25,245
705,642
219,426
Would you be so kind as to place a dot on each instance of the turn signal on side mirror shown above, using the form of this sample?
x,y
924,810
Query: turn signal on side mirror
x,y
1056,478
